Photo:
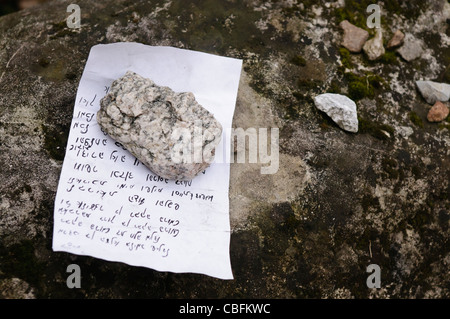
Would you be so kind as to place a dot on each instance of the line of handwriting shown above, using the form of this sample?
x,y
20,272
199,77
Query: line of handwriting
x,y
192,195
85,143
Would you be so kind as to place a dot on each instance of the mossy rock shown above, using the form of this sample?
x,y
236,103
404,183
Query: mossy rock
x,y
334,196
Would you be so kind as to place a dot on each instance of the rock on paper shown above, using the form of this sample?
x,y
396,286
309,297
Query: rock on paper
x,y
110,206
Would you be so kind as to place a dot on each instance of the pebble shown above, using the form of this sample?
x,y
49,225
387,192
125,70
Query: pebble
x,y
354,37
411,48
405,131
438,112
340,108
396,40
434,91
374,48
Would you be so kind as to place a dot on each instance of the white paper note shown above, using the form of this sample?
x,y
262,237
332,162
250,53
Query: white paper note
x,y
108,205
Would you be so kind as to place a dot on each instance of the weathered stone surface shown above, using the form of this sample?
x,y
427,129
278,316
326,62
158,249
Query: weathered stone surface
x,y
168,132
411,49
354,37
396,40
15,288
338,203
374,48
340,108
434,91
438,112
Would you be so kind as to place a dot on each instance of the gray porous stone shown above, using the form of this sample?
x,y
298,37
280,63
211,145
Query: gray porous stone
x,y
340,108
169,132
411,49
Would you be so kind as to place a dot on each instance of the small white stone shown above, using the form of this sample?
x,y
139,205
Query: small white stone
x,y
374,48
405,131
411,49
434,91
340,108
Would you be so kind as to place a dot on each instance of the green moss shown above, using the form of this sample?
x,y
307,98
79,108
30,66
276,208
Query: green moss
x,y
341,14
356,17
389,57
363,86
375,129
366,126
308,84
413,117
59,25
358,90
376,81
355,11
346,58
298,60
